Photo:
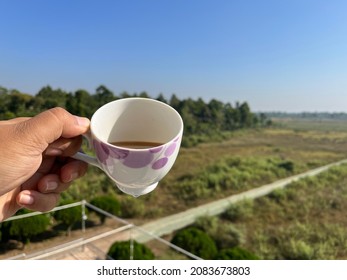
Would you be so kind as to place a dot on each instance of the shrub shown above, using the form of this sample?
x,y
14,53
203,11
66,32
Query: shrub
x,y
69,216
132,207
192,190
196,241
120,250
278,195
107,203
228,236
224,234
238,211
297,250
308,241
230,173
287,165
26,228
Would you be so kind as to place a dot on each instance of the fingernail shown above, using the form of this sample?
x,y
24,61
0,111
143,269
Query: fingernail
x,y
51,185
84,122
73,176
54,152
26,199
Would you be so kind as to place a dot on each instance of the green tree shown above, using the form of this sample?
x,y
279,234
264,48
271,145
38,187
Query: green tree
x,y
175,102
26,228
161,98
190,122
231,117
246,117
51,98
69,216
217,113
3,90
125,94
120,250
203,121
14,104
195,241
107,203
103,95
81,103
144,94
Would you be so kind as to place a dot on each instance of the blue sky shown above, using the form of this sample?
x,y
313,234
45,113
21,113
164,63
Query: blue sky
x,y
283,55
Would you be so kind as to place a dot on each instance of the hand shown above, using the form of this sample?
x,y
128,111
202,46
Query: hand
x,y
35,163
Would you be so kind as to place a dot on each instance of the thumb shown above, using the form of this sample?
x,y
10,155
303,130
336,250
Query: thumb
x,y
50,125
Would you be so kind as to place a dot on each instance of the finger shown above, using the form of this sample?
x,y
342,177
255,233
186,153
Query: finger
x,y
73,170
51,183
49,126
68,173
37,201
64,147
32,182
49,165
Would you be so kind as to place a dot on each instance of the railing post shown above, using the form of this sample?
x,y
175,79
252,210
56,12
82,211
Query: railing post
x,y
131,242
84,216
83,222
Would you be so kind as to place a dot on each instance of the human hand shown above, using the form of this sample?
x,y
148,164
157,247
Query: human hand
x,y
35,163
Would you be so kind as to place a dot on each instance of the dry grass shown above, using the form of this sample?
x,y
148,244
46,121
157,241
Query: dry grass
x,y
306,220
307,149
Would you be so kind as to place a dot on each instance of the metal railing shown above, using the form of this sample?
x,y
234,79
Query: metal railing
x,y
134,232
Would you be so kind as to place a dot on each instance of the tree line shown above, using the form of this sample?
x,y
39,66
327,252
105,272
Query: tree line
x,y
309,115
202,120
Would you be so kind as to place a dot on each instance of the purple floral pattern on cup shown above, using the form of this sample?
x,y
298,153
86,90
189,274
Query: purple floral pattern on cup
x,y
156,149
160,163
138,159
104,151
170,150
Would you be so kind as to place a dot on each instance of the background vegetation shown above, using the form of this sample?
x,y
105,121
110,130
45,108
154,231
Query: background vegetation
x,y
203,121
305,220
227,149
120,250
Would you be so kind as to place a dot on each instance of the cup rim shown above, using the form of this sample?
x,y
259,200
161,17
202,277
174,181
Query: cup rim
x,y
173,139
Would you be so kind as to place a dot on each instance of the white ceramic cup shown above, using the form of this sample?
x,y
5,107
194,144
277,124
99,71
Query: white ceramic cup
x,y
135,171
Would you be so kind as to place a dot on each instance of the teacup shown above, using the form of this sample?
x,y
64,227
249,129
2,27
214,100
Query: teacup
x,y
136,142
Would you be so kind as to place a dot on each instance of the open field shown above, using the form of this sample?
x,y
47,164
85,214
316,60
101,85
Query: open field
x,y
255,149
311,124
306,220
244,160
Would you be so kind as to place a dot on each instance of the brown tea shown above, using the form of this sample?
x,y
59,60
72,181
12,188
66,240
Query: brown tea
x,y
136,144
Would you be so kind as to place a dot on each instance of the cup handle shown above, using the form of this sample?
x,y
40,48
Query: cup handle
x,y
86,158
88,136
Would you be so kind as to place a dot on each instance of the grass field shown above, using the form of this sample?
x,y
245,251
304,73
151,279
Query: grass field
x,y
311,124
305,149
306,220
